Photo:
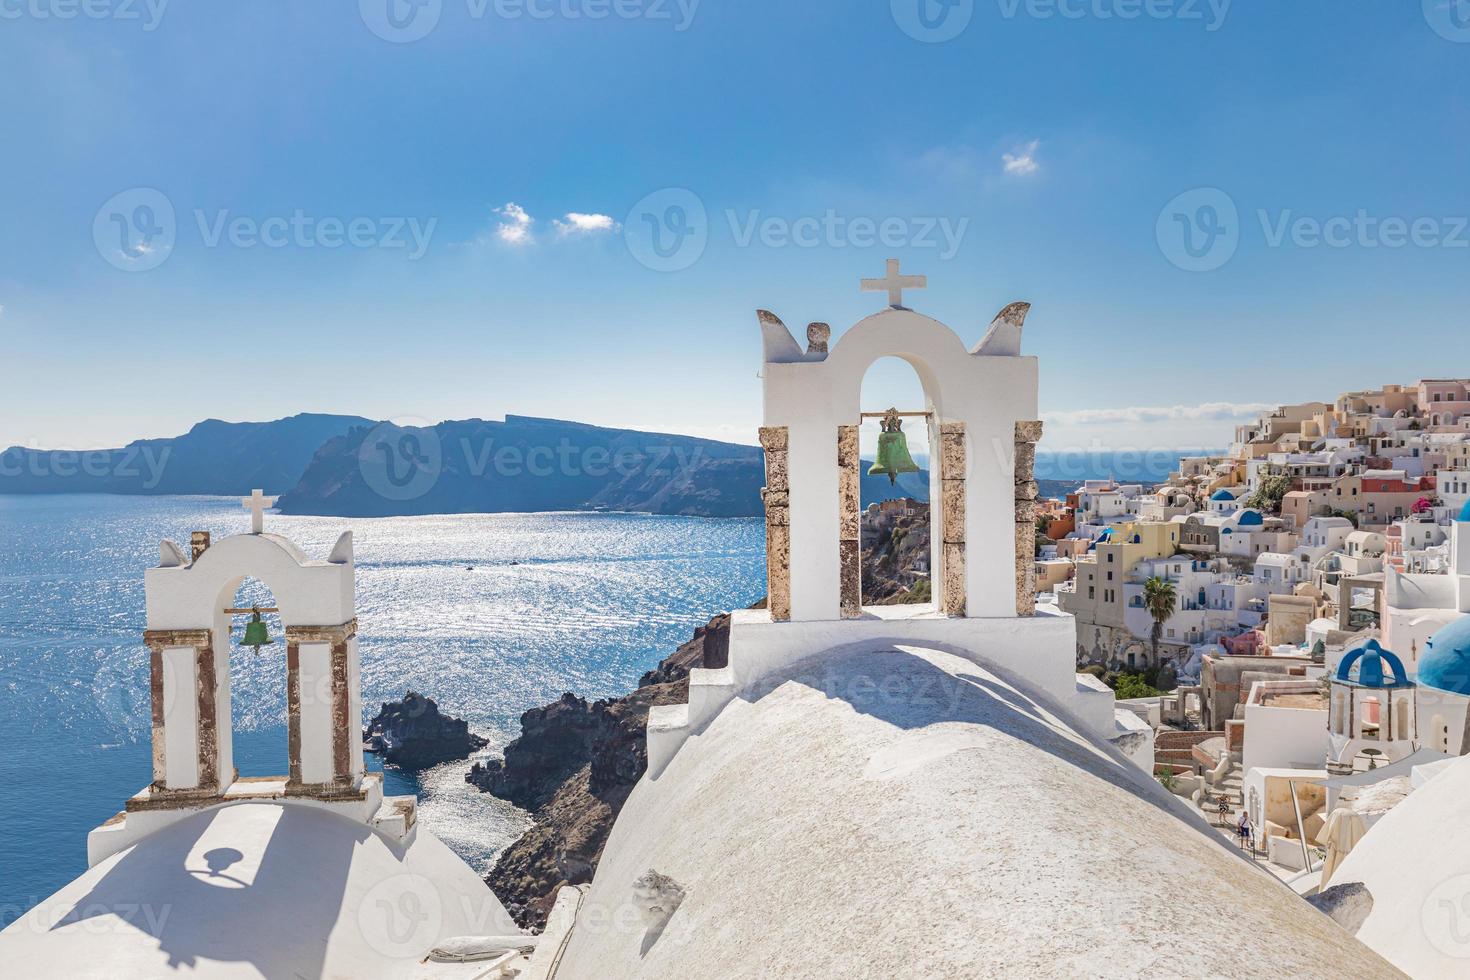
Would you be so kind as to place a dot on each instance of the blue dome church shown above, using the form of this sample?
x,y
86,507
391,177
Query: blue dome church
x,y
1444,689
1372,710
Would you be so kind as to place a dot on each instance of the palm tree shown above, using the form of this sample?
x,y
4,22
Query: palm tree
x,y
1159,598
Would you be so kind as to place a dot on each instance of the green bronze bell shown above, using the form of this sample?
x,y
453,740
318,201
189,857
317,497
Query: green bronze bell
x,y
256,635
893,450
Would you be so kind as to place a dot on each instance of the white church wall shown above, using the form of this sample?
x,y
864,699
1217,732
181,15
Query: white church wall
x,y
1284,738
181,717
316,712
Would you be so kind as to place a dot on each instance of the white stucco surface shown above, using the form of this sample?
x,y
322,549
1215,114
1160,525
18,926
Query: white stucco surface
x,y
1416,863
256,890
934,819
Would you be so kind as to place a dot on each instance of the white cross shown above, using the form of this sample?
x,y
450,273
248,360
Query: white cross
x,y
257,503
895,284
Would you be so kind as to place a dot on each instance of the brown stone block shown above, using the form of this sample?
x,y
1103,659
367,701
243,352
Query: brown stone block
x,y
852,579
1025,463
777,473
778,571
778,516
847,446
776,498
1026,538
1029,432
954,580
953,461
1027,490
952,511
1026,513
775,438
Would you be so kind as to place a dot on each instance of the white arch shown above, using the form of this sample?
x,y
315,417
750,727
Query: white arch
x,y
812,395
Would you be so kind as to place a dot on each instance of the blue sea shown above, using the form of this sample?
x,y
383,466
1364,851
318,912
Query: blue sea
x,y
554,603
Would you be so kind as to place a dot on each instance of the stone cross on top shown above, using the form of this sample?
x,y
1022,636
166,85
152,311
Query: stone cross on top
x,y
257,503
895,283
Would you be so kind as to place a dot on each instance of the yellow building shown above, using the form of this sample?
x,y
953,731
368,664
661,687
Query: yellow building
x,y
1097,597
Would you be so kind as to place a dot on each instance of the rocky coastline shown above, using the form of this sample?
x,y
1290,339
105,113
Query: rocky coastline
x,y
413,734
573,767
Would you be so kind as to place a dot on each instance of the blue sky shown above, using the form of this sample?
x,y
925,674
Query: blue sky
x,y
1052,142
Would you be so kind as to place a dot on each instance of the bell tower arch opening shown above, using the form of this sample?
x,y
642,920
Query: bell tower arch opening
x,y
254,694
894,436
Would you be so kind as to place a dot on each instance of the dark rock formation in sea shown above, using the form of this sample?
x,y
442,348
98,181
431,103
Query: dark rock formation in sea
x,y
213,457
574,766
413,734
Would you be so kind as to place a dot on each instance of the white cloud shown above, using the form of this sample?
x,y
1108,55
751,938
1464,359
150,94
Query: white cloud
x,y
576,223
1023,161
515,225
1146,415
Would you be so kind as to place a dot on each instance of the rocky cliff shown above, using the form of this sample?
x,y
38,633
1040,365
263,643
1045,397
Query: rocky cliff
x,y
573,767
413,734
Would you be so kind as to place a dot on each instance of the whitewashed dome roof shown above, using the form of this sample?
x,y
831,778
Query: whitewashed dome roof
x,y
904,812
251,890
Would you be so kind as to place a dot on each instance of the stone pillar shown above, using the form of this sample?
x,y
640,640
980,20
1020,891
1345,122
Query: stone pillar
x,y
1028,434
198,544
850,517
953,466
322,736
776,495
185,695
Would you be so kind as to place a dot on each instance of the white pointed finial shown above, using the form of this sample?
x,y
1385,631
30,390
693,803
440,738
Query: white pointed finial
x,y
257,503
895,283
